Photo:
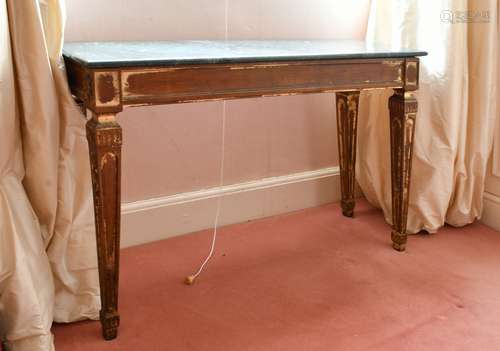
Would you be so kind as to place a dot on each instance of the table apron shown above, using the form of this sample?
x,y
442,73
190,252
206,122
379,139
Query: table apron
x,y
144,86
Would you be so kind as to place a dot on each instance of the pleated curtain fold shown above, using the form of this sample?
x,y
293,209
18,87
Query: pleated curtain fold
x,y
48,266
457,110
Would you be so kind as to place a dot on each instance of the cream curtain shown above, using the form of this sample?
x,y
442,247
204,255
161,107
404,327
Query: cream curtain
x,y
457,108
47,243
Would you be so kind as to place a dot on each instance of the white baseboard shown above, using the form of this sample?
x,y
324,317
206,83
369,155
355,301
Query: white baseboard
x,y
161,218
491,210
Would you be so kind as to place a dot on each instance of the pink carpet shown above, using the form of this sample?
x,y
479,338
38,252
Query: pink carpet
x,y
308,280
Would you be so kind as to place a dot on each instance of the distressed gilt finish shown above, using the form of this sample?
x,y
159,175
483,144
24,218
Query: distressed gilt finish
x,y
102,95
347,120
107,89
403,111
104,137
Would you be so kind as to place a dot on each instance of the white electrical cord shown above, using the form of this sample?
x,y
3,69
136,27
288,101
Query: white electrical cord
x,y
190,279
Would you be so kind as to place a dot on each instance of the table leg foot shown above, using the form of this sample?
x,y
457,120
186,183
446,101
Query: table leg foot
x,y
109,323
398,241
348,207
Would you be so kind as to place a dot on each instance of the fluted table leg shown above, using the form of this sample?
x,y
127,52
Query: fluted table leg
x,y
403,111
347,119
105,139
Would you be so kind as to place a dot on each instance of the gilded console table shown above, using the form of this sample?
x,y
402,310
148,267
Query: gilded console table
x,y
107,76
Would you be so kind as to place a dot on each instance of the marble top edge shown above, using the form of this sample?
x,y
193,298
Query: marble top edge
x,y
170,53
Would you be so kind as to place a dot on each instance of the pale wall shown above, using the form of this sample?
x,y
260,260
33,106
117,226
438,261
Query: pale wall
x,y
172,149
176,149
491,199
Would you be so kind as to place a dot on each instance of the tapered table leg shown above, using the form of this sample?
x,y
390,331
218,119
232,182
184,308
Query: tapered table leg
x,y
403,110
347,119
105,139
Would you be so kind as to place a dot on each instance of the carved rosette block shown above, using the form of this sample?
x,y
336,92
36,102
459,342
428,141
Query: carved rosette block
x,y
347,120
403,111
105,139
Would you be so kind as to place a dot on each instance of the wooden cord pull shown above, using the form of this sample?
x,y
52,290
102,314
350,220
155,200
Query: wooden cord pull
x,y
189,280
